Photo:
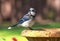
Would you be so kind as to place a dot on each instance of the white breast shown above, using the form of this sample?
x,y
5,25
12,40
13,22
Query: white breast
x,y
28,23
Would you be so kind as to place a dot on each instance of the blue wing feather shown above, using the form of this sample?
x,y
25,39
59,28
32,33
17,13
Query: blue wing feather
x,y
25,18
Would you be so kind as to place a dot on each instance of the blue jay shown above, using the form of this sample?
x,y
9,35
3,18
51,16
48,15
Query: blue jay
x,y
27,20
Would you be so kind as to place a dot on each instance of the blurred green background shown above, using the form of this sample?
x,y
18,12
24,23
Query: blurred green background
x,y
16,31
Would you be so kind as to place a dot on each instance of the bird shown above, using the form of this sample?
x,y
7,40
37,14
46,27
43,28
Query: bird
x,y
27,20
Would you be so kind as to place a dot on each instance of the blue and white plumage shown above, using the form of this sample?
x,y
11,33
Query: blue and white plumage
x,y
27,20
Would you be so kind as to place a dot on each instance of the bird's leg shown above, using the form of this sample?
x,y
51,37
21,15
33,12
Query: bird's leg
x,y
36,29
30,28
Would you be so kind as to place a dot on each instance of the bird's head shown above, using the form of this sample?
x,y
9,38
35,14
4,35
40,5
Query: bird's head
x,y
32,11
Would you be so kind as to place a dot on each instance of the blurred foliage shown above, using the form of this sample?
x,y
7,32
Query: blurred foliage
x,y
16,31
50,15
